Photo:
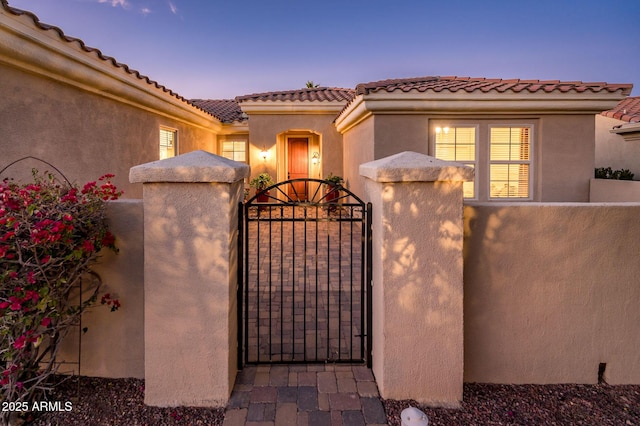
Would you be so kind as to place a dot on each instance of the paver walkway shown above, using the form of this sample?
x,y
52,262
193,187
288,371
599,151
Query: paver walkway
x,y
329,394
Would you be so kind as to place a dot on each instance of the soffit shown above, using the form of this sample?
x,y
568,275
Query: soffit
x,y
45,49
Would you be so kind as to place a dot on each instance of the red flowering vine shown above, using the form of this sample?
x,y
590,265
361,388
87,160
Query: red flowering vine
x,y
50,237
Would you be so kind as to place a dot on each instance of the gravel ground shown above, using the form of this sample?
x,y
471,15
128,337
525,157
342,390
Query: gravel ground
x,y
120,402
485,404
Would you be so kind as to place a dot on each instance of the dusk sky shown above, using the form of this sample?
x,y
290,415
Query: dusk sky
x,y
220,49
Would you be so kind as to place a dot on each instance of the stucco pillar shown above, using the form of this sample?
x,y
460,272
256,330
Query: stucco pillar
x,y
417,276
190,248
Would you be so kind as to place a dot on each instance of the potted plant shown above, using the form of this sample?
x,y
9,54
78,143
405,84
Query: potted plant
x,y
260,182
333,184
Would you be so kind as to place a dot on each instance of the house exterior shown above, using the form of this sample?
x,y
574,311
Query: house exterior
x,y
617,136
87,114
533,269
83,112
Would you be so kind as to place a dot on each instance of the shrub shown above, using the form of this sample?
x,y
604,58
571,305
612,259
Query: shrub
x,y
609,173
50,236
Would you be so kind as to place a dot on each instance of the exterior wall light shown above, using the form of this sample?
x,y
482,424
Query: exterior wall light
x,y
315,158
264,154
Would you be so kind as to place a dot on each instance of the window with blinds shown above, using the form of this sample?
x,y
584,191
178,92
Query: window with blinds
x,y
458,144
235,150
510,162
168,140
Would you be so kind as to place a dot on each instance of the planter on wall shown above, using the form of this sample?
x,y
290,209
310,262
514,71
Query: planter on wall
x,y
614,191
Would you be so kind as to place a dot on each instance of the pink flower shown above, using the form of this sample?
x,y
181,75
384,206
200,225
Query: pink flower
x,y
45,322
20,342
88,246
4,305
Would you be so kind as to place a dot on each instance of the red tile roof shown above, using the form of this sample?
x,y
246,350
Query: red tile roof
x,y
225,110
320,94
90,50
626,110
469,84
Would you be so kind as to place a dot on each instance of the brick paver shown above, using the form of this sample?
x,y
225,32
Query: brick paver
x,y
305,395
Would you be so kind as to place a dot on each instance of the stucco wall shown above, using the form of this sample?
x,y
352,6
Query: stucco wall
x,y
83,134
563,152
551,292
113,345
358,149
612,150
265,129
567,157
398,133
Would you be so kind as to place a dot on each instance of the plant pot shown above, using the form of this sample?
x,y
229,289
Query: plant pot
x,y
263,197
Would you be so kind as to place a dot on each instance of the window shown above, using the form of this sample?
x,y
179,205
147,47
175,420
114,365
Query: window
x,y
458,144
500,153
235,150
509,162
168,140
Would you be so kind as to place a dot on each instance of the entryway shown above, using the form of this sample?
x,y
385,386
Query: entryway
x,y
305,285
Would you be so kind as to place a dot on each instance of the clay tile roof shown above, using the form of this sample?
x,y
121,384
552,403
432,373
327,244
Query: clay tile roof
x,y
469,84
90,50
626,110
225,110
316,94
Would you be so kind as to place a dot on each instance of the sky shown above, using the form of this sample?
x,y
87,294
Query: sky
x,y
219,49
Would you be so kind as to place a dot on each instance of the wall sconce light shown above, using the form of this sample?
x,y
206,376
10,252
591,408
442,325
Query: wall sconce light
x,y
315,158
264,154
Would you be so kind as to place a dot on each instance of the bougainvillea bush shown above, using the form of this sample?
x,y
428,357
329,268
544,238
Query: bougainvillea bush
x,y
50,237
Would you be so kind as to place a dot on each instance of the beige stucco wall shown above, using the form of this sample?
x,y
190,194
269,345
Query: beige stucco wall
x,y
82,134
267,131
612,150
113,345
613,190
566,157
550,292
563,153
417,292
358,149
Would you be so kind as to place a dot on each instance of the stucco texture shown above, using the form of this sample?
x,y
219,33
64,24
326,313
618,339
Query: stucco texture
x,y
417,280
113,345
551,292
612,150
190,310
270,131
81,133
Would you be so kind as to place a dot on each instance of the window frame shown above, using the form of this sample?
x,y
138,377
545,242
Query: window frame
x,y
175,141
233,140
530,162
475,162
482,182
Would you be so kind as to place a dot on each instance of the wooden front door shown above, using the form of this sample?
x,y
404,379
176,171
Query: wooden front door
x,y
298,166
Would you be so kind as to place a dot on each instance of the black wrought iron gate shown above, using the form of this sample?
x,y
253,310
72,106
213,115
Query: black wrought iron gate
x,y
304,291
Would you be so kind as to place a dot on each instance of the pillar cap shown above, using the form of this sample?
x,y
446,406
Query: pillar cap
x,y
411,166
195,166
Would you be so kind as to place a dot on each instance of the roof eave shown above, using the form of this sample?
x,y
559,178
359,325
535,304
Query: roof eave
x,y
629,132
44,53
462,102
292,107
